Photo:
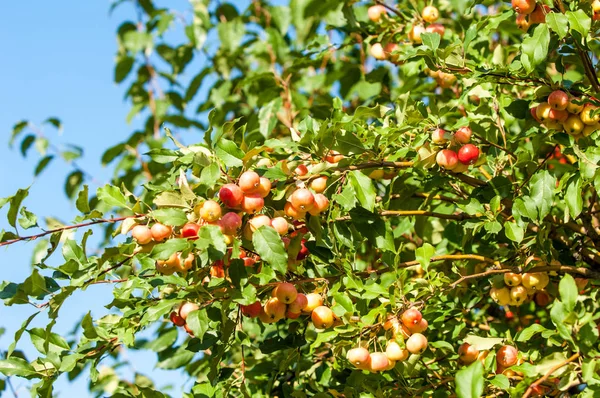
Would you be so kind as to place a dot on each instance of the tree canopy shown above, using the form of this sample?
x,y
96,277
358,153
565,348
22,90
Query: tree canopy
x,y
382,199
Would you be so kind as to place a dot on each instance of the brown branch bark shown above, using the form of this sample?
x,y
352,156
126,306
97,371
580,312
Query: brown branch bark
x,y
549,373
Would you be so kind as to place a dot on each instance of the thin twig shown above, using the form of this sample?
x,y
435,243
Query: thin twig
x,y
549,373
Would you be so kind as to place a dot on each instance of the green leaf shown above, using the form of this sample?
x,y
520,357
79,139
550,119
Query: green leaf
x,y
229,153
568,292
35,284
42,164
170,216
558,23
17,367
431,40
513,231
363,187
542,192
469,381
423,255
535,48
165,340
527,333
87,324
270,248
210,236
123,67
198,322
579,21
48,342
15,204
163,251
28,219
19,333
82,202
112,196
574,198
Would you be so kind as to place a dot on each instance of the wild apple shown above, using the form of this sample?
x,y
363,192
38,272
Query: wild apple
x,y
313,300
447,159
176,319
558,99
231,195
292,212
186,308
518,294
543,111
299,303
252,203
586,115
419,327
160,232
319,184
302,199
512,279
430,14
286,292
463,135
375,12
411,317
436,28
252,310
468,154
304,252
415,33
301,170
249,181
506,356
231,223
320,204
467,353
573,108
141,234
322,317
539,14
359,357
190,231
416,344
396,353
439,136
535,280
500,295
275,309
523,6
379,362
210,211
523,22
264,187
280,225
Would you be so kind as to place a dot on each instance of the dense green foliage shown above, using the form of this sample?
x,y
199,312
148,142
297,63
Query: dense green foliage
x,y
272,87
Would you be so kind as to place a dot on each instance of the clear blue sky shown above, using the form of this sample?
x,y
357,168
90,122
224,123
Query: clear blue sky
x,y
58,60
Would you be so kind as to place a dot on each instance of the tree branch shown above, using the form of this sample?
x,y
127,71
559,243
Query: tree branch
x,y
549,373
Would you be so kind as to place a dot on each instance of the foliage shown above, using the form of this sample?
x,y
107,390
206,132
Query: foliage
x,y
280,86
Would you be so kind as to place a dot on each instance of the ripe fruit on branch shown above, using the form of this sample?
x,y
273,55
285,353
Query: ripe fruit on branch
x,y
275,309
541,298
506,356
468,154
264,187
558,100
518,294
415,33
375,12
303,253
500,295
512,279
320,204
359,357
377,51
543,111
210,211
252,203
467,353
292,212
439,136
539,14
160,232
430,14
447,159
186,308
419,327
396,353
523,6
411,317
249,181
574,125
252,310
333,157
319,184
586,115
231,195
217,270
301,170
379,362
231,223
176,319
588,130
463,135
299,303
141,234
523,22
190,230
280,225
535,280
436,28
302,199
558,115
574,108
416,344
285,292
313,300
188,330
322,317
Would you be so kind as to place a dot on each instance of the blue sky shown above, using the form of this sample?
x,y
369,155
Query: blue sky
x,y
58,60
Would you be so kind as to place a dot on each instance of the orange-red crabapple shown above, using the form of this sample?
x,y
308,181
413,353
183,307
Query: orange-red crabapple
x,y
160,232
322,317
252,310
447,159
141,234
468,154
411,317
231,195
416,343
249,181
524,6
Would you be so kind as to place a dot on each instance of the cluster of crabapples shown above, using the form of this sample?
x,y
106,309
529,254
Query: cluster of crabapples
x,y
506,356
529,13
179,316
236,200
516,288
562,113
287,303
407,338
456,153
